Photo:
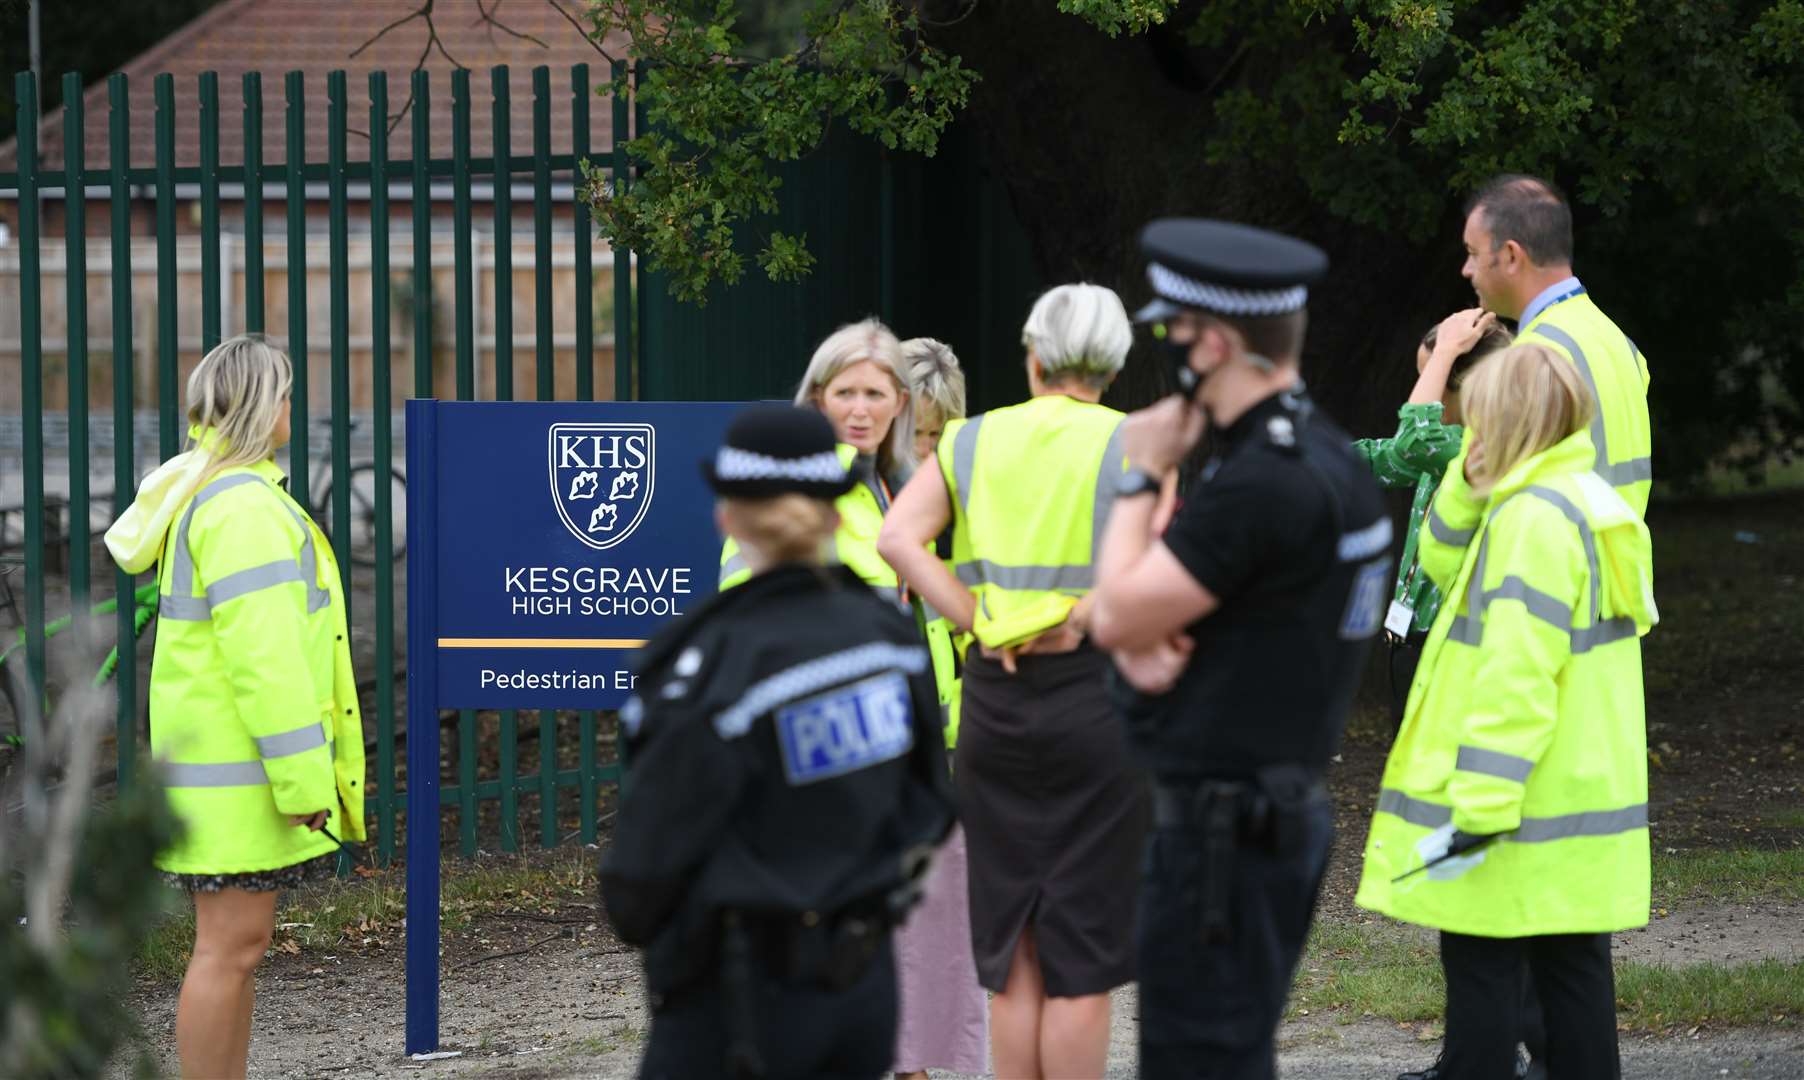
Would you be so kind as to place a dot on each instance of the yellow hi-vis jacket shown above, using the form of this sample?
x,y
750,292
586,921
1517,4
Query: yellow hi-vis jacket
x,y
1526,715
1617,374
854,543
253,700
1031,489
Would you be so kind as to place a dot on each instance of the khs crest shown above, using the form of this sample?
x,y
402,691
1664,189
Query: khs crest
x,y
601,479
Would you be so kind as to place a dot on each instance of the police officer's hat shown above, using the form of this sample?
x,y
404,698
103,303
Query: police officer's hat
x,y
1238,271
778,450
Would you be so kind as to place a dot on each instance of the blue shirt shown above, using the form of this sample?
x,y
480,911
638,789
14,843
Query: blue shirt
x,y
1564,289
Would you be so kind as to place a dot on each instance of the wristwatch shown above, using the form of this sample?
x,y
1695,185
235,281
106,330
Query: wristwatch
x,y
1136,482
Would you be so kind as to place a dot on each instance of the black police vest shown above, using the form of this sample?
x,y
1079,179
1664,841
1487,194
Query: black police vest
x,y
786,753
1276,665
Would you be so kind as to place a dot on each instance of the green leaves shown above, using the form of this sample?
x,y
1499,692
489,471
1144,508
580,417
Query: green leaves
x,y
719,120
1114,16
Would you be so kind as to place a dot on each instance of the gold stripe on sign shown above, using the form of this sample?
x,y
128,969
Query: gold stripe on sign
x,y
539,643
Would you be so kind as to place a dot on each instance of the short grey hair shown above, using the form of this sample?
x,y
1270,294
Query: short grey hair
x,y
1079,331
239,390
938,381
855,343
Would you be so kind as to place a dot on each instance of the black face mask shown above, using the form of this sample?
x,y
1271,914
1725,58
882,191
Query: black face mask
x,y
1177,360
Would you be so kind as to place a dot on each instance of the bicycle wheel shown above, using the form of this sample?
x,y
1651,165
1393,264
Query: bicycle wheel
x,y
362,547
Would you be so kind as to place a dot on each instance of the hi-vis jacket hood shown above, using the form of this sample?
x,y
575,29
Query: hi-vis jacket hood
x,y
1625,549
136,539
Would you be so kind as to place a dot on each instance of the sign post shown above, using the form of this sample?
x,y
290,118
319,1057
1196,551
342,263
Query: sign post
x,y
549,540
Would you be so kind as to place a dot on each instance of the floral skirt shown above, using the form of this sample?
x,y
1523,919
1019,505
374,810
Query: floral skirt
x,y
282,877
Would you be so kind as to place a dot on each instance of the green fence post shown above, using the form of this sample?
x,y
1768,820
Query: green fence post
x,y
422,236
420,205
31,374
465,323
624,374
504,237
504,391
381,387
125,427
169,434
544,370
585,385
294,199
584,235
75,292
465,295
253,202
339,293
209,211
545,357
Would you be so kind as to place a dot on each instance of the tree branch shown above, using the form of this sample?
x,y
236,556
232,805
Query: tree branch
x,y
486,16
571,19
425,12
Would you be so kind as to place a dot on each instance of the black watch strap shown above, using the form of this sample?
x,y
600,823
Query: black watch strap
x,y
1136,482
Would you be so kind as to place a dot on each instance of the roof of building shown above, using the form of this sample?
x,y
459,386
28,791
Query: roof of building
x,y
315,37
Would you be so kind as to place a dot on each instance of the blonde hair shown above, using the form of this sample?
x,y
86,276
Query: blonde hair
x,y
239,390
856,343
783,528
1079,332
938,382
1520,402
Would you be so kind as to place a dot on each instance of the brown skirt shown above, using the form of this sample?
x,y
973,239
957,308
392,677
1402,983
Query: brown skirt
x,y
1055,814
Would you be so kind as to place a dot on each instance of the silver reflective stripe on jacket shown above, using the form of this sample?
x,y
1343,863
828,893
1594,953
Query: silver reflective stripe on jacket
x,y
1618,473
1476,759
247,773
1468,627
1076,577
817,674
180,603
1533,830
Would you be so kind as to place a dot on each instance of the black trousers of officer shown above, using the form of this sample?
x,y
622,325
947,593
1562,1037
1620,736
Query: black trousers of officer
x,y
1572,975
804,1030
1210,1011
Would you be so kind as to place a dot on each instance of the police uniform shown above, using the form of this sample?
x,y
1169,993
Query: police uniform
x,y
784,794
1288,531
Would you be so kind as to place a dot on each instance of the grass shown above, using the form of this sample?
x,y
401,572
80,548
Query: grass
x,y
1383,971
1369,969
330,915
1735,876
1767,992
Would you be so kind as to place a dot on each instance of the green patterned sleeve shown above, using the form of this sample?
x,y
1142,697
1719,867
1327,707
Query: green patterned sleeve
x,y
1423,443
1422,446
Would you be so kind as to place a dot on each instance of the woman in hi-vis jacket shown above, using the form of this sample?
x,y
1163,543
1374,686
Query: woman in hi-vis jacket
x,y
253,702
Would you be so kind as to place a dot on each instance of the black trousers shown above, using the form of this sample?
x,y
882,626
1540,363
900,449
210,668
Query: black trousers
x,y
1211,1011
803,1031
1571,975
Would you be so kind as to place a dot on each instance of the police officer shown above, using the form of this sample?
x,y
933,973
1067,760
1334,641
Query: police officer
x,y
1243,629
786,790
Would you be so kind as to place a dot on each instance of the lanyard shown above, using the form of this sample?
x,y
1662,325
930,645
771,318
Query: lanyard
x,y
1576,290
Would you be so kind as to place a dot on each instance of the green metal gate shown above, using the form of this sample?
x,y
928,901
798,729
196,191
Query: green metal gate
x,y
118,182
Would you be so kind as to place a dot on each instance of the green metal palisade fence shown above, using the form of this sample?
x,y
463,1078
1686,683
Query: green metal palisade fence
x,y
120,181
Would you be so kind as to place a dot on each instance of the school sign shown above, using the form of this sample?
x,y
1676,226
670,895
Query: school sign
x,y
549,541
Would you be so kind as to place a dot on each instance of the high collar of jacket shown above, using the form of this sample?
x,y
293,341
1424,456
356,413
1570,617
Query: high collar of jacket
x,y
1625,550
136,539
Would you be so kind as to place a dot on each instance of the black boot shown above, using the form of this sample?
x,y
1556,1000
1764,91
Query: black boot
x,y
1525,1069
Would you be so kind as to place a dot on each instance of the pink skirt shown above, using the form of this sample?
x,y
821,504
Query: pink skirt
x,y
945,1014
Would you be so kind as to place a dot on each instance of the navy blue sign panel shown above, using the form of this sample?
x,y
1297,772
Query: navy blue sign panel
x,y
565,534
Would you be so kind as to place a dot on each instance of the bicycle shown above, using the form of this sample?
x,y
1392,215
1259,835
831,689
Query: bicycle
x,y
364,475
15,682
